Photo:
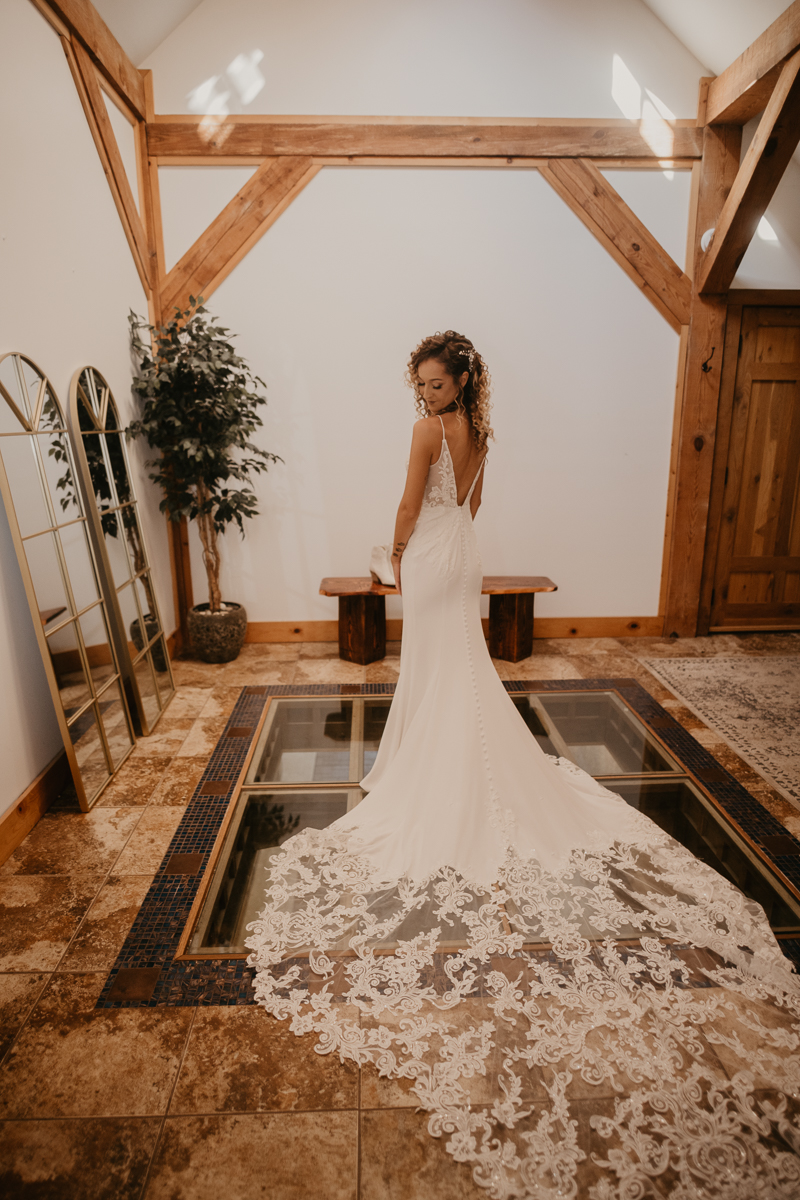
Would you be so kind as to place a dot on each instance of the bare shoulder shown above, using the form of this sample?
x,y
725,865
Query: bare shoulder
x,y
427,430
427,435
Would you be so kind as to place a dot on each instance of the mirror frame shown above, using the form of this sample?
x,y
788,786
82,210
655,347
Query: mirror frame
x,y
30,428
143,723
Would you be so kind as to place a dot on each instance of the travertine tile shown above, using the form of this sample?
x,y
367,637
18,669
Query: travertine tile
x,y
256,653
193,673
135,782
202,737
106,925
220,703
73,843
581,645
277,1156
398,1155
249,674
179,781
727,644
73,1060
385,670
328,670
165,740
538,666
148,845
18,993
38,917
243,1060
321,649
76,1160
769,643
189,701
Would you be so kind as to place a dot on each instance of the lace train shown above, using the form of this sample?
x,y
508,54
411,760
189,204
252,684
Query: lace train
x,y
634,977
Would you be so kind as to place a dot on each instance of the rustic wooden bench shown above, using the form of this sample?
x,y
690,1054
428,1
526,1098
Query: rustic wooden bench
x,y
362,615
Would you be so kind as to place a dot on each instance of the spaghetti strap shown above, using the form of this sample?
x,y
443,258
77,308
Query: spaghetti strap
x,y
468,496
443,446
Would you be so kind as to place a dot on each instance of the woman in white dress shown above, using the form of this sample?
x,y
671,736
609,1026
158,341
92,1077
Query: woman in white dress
x,y
516,941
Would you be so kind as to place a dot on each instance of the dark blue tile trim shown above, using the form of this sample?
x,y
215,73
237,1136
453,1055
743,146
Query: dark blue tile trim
x,y
156,932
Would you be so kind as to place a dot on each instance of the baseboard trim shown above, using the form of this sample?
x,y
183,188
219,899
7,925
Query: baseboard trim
x,y
543,627
594,627
16,824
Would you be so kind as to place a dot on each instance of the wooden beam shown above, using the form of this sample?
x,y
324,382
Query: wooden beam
x,y
235,137
82,20
502,164
744,88
83,72
182,591
603,211
700,396
766,160
763,297
150,205
255,207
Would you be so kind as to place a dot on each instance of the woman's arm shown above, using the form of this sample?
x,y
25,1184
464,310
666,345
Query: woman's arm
x,y
425,448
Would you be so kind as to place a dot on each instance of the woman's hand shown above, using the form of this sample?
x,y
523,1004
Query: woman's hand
x,y
396,559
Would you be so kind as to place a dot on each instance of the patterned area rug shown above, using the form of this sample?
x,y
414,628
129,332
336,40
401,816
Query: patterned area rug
x,y
752,702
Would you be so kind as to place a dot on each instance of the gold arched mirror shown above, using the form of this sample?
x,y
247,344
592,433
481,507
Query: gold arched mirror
x,y
113,512
59,570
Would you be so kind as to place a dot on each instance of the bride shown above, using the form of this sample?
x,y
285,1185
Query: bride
x,y
582,1007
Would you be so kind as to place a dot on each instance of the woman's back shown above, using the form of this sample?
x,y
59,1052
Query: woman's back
x,y
465,455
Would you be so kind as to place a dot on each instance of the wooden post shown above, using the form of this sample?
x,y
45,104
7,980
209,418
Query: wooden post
x,y
719,167
182,592
511,626
362,628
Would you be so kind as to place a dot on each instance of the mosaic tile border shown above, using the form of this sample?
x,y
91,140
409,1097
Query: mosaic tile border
x,y
146,973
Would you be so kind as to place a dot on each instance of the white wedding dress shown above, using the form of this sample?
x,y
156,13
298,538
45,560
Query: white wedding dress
x,y
583,1008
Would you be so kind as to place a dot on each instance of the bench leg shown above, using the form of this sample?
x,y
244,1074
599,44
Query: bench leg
x,y
362,628
511,626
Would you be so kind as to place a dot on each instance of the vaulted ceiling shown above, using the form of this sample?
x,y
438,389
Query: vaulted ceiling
x,y
714,31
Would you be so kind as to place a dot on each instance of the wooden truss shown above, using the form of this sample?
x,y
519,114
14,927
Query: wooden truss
x,y
729,200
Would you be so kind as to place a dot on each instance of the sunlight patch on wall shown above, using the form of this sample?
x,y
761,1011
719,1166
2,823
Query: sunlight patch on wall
x,y
625,91
243,75
651,113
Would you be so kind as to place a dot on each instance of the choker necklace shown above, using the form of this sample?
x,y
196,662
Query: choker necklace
x,y
450,408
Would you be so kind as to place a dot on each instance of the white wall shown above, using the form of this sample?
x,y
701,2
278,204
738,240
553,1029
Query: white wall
x,y
367,261
327,307
68,281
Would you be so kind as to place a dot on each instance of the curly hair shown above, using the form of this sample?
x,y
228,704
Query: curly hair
x,y
457,354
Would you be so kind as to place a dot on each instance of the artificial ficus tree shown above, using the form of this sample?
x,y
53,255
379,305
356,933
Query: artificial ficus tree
x,y
200,411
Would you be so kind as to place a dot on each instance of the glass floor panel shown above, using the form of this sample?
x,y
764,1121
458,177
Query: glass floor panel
x,y
599,733
313,751
319,740
681,810
261,822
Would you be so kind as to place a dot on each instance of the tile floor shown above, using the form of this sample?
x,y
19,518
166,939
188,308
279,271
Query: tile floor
x,y
189,1104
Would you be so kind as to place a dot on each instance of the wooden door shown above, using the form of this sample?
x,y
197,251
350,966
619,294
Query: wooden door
x,y
756,574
